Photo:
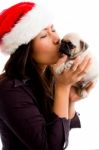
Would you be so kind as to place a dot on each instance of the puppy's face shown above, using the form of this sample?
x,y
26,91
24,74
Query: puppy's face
x,y
72,45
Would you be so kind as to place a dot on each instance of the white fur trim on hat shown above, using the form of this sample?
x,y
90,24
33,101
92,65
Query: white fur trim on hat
x,y
26,29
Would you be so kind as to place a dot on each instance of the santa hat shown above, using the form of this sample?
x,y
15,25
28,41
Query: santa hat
x,y
20,23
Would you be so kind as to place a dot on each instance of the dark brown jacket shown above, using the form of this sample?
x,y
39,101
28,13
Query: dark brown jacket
x,y
22,124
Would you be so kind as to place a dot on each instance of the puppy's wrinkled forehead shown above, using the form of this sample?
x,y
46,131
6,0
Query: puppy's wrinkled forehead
x,y
73,38
72,45
76,40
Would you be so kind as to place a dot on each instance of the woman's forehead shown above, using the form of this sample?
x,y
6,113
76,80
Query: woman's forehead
x,y
45,29
49,26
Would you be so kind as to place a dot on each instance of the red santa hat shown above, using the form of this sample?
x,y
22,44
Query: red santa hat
x,y
20,23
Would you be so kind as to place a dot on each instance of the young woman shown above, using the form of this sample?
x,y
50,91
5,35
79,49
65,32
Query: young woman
x,y
36,105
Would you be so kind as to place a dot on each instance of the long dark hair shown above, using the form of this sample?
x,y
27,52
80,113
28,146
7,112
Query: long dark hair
x,y
21,65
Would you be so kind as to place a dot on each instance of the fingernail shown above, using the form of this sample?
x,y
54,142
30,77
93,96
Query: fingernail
x,y
78,58
64,57
87,57
90,60
63,54
93,84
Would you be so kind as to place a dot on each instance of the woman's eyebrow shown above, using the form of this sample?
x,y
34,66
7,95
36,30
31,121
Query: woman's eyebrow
x,y
47,28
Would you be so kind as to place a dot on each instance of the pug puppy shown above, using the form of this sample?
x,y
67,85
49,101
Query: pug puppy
x,y
72,45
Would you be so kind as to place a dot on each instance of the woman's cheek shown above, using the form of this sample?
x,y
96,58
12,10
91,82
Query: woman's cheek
x,y
45,57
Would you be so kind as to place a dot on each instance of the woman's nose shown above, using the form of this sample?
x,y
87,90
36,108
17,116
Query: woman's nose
x,y
56,40
54,36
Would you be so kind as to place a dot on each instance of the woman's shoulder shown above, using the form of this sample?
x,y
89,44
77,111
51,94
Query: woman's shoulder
x,y
6,82
15,88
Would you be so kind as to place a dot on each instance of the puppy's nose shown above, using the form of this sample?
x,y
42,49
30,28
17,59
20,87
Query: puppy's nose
x,y
66,47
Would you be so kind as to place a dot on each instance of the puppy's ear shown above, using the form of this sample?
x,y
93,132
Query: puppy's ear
x,y
83,45
86,45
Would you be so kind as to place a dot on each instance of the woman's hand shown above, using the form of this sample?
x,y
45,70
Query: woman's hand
x,y
74,74
73,97
64,81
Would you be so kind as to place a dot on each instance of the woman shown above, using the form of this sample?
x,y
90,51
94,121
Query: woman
x,y
36,105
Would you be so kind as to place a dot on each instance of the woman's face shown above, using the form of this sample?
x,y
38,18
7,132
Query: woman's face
x,y
45,46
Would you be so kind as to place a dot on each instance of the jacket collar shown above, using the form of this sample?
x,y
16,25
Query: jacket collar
x,y
20,82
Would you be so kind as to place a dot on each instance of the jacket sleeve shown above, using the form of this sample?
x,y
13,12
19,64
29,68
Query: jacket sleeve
x,y
75,121
22,116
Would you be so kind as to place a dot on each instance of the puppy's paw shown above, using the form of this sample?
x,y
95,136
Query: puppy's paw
x,y
83,93
68,64
60,69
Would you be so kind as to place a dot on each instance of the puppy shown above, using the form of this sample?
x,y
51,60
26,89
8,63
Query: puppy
x,y
72,45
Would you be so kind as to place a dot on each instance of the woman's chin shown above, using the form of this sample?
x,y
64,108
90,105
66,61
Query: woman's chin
x,y
54,61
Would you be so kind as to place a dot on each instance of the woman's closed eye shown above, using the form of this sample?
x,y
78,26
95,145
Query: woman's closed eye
x,y
43,36
46,34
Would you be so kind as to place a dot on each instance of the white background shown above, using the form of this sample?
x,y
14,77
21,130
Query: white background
x,y
79,16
